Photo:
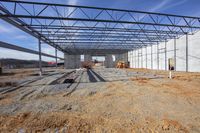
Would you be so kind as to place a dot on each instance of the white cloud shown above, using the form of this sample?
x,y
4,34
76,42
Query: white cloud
x,y
21,37
6,29
177,3
7,53
72,2
159,6
164,5
51,51
196,14
155,8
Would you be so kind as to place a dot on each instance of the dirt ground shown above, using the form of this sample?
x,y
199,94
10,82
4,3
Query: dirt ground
x,y
102,101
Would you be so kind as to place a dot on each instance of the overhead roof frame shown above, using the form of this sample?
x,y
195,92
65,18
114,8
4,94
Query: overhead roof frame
x,y
96,28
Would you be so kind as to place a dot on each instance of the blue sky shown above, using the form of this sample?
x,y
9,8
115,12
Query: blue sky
x,y
13,35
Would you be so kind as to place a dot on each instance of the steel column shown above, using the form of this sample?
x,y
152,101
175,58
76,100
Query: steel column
x,y
175,54
186,52
40,57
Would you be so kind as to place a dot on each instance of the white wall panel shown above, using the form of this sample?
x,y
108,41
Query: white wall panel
x,y
193,54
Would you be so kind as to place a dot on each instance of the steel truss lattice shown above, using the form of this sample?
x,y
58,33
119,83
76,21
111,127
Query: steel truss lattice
x,y
81,29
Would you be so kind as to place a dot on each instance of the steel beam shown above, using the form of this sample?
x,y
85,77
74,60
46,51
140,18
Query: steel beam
x,y
99,39
17,23
18,48
98,8
107,10
97,51
130,31
95,20
97,27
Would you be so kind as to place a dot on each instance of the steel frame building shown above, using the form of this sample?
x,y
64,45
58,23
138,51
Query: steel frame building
x,y
80,30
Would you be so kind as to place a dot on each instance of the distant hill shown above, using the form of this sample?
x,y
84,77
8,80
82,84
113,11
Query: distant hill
x,y
16,63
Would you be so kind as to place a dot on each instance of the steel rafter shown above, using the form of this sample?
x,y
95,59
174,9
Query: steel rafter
x,y
71,28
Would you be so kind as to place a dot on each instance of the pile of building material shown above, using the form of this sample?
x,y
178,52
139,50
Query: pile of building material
x,y
122,64
87,64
